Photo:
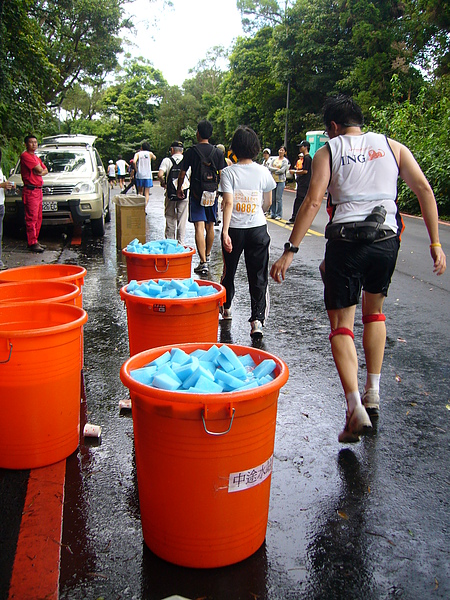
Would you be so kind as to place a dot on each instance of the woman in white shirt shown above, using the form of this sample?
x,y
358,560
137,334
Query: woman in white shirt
x,y
278,166
246,188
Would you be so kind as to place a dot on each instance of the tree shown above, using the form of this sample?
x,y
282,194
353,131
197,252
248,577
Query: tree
x,y
378,42
177,117
77,103
205,89
82,40
210,71
312,52
420,124
263,13
251,92
25,69
429,34
46,47
129,107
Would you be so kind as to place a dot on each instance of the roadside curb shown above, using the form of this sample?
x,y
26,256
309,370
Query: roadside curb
x,y
35,572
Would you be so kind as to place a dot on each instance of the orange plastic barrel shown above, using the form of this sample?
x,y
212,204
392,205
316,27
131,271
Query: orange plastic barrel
x,y
154,322
204,464
39,291
67,273
151,266
40,382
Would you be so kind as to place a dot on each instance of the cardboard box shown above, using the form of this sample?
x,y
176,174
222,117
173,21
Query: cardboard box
x,y
130,219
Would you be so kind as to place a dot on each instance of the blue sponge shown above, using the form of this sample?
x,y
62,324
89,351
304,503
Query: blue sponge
x,y
164,382
265,367
215,370
206,386
144,375
161,359
231,356
179,356
231,383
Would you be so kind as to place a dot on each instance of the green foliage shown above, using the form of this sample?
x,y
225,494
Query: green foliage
x,y
257,14
313,52
423,127
251,92
378,40
46,48
56,54
136,95
429,25
25,70
81,40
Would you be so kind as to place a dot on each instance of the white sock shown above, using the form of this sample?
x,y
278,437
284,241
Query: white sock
x,y
373,381
353,399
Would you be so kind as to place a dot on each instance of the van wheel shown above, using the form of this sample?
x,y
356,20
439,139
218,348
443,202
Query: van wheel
x,y
98,226
108,213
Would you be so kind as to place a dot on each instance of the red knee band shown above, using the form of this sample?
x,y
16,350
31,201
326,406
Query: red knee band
x,y
373,318
341,331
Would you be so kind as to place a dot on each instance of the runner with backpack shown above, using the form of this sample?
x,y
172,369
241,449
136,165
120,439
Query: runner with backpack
x,y
206,162
175,210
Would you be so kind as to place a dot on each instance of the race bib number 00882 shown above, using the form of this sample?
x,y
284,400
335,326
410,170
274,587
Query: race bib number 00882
x,y
247,201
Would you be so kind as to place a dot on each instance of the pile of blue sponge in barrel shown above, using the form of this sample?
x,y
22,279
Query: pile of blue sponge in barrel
x,y
157,247
170,288
218,369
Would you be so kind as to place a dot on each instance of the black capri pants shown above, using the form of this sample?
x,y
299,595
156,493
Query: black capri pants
x,y
254,242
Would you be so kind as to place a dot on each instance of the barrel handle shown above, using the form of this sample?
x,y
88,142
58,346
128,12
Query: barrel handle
x,y
158,270
233,410
2,362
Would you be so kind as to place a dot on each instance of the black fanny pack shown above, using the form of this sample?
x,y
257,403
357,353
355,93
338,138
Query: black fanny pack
x,y
32,187
358,232
372,229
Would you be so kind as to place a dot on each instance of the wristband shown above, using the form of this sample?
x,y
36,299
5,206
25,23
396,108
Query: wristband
x,y
436,245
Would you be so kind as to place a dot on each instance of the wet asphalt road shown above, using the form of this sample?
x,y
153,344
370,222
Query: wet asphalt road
x,y
367,521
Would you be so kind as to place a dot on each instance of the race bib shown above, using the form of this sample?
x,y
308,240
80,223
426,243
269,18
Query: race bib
x,y
208,199
247,201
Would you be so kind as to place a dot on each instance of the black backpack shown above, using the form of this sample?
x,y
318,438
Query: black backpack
x,y
207,176
172,179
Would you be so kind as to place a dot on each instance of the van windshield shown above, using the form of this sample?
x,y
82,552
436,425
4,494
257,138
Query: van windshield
x,y
66,161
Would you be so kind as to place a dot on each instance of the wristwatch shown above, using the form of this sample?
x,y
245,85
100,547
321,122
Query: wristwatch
x,y
288,247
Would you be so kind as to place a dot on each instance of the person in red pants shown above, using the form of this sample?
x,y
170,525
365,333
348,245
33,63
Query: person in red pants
x,y
32,169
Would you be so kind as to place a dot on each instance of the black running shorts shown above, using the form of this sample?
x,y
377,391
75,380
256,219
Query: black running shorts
x,y
353,266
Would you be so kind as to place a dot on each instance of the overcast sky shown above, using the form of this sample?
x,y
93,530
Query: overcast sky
x,y
176,39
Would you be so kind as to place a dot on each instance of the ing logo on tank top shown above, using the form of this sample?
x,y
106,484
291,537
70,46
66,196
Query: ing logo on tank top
x,y
373,154
349,159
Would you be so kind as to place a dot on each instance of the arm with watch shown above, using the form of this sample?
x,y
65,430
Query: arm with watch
x,y
306,214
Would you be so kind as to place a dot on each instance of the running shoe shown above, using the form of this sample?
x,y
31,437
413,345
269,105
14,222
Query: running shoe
x,y
201,268
356,424
371,402
257,329
226,313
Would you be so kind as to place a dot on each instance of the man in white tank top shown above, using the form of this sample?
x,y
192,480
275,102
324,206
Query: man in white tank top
x,y
360,171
